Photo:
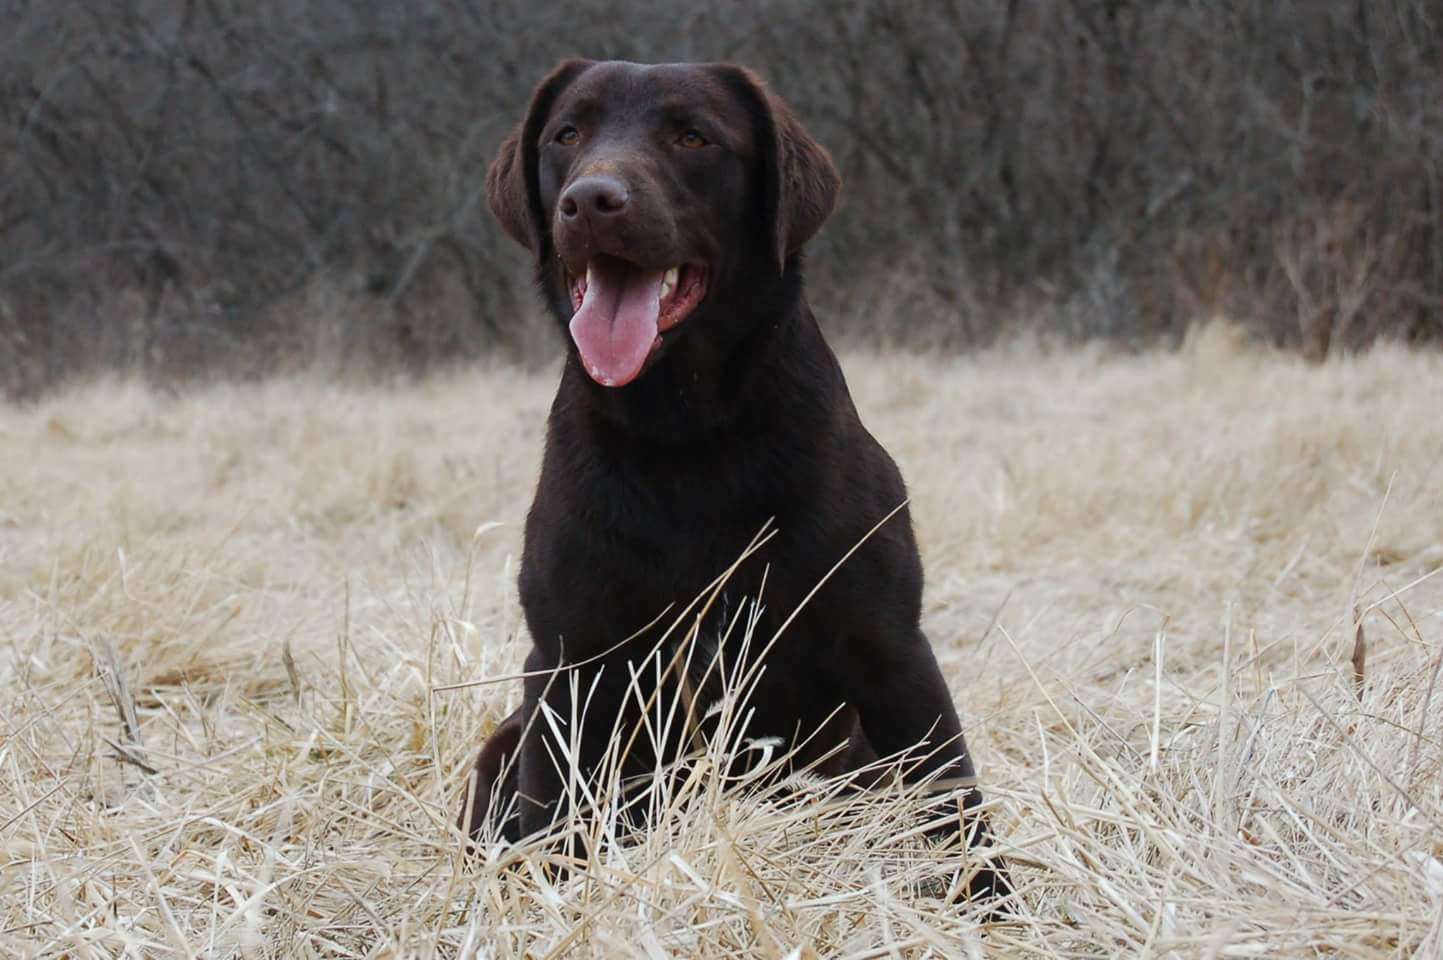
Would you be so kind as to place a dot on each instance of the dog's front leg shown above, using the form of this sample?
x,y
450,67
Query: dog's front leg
x,y
903,704
571,725
539,787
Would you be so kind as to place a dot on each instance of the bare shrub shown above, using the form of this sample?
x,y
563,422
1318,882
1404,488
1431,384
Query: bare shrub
x,y
1136,166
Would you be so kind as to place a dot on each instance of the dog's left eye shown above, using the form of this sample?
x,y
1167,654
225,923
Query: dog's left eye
x,y
568,136
691,140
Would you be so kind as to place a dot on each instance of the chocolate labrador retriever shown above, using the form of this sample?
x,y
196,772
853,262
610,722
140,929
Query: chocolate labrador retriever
x,y
667,207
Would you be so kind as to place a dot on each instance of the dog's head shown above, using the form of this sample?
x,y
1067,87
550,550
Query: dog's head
x,y
659,201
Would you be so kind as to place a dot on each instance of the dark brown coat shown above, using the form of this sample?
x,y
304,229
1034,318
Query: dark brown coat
x,y
734,416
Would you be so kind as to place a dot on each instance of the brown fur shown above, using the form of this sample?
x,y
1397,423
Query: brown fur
x,y
741,417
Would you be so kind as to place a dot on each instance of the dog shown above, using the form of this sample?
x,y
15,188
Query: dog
x,y
666,207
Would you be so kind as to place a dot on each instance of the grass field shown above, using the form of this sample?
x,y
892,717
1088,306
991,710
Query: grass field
x,y
225,615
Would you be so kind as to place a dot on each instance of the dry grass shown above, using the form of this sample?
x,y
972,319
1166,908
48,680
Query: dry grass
x,y
224,614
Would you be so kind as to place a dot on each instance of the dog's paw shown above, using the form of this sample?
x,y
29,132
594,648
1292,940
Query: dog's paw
x,y
990,889
984,887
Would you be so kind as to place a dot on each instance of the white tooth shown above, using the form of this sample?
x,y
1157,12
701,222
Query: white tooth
x,y
668,282
587,283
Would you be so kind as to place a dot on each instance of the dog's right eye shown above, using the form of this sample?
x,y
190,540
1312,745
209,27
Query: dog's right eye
x,y
691,140
568,136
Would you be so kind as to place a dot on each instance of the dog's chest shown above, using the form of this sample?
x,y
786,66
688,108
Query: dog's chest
x,y
709,660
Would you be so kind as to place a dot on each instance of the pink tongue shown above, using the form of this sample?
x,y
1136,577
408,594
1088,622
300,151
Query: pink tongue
x,y
615,326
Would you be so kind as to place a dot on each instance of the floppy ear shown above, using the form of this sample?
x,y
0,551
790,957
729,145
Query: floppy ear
x,y
800,182
511,182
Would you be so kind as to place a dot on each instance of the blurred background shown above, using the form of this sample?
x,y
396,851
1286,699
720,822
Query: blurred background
x,y
202,188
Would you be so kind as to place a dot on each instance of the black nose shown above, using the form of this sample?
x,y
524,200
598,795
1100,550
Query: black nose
x,y
593,197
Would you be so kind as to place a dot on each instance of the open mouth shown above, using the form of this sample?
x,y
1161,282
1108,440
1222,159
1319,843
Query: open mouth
x,y
622,310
